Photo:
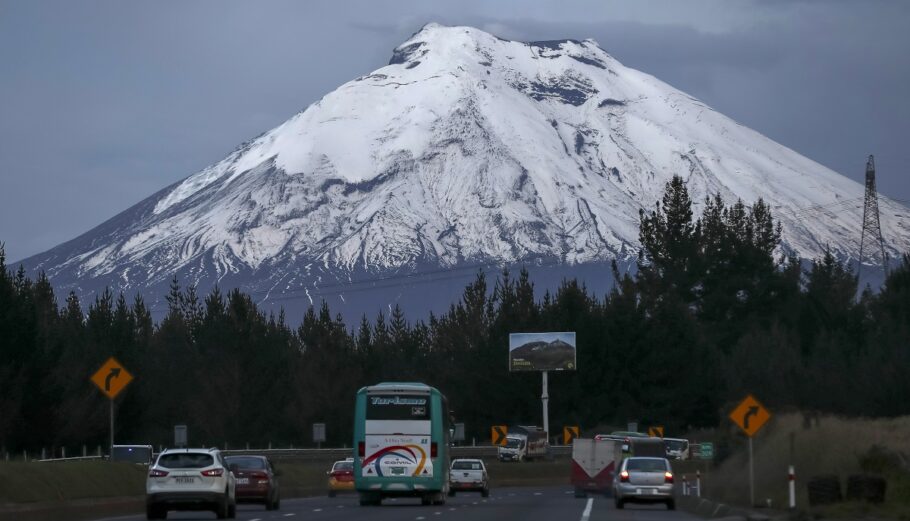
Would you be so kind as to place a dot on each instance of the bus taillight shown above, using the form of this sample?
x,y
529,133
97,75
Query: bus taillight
x,y
433,449
361,449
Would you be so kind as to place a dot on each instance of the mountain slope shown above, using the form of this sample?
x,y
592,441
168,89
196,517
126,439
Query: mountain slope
x,y
466,148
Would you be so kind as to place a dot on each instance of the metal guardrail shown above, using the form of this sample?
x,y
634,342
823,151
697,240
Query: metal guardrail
x,y
482,451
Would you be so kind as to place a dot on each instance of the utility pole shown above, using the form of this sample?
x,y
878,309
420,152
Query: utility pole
x,y
871,224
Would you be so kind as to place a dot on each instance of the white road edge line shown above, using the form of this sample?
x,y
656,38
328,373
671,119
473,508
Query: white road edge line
x,y
587,513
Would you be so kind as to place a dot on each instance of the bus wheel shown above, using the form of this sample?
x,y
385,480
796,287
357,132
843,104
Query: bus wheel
x,y
426,500
439,499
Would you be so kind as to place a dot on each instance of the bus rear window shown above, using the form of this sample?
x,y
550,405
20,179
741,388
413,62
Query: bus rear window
x,y
398,407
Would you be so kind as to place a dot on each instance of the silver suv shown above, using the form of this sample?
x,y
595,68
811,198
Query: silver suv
x,y
190,479
644,480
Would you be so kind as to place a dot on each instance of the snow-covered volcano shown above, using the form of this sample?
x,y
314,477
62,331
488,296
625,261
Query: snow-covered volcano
x,y
465,148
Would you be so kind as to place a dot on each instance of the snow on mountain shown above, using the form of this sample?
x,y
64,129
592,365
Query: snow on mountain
x,y
465,148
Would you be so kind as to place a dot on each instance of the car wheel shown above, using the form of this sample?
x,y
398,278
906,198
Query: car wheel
x,y
221,509
232,511
485,492
671,505
155,512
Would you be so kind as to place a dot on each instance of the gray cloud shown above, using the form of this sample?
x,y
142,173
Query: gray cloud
x,y
104,105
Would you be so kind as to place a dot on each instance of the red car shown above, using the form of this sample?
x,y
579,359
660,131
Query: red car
x,y
256,481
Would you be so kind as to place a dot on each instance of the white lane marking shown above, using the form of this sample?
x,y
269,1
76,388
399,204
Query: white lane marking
x,y
289,515
452,509
255,519
420,518
511,494
437,513
317,510
538,493
587,513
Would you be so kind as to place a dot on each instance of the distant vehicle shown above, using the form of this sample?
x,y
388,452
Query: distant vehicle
x,y
677,448
644,480
256,480
143,454
469,475
650,447
626,438
523,443
629,434
594,463
190,479
401,431
341,477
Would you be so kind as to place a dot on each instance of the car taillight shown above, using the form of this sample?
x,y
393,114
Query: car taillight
x,y
624,476
157,473
361,448
433,449
212,472
668,477
259,475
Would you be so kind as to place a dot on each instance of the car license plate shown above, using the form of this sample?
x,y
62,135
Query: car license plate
x,y
185,479
243,481
398,471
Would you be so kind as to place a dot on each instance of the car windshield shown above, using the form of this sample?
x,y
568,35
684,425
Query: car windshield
x,y
513,443
646,465
185,460
343,465
246,462
466,465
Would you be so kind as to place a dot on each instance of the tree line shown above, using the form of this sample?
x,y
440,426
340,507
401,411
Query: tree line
x,y
712,313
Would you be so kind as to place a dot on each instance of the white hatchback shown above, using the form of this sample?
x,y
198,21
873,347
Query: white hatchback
x,y
190,479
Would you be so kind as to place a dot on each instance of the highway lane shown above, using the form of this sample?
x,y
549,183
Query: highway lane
x,y
525,503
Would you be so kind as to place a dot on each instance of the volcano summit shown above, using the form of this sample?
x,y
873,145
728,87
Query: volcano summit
x,y
465,150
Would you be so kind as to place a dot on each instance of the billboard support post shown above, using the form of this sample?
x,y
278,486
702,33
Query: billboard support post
x,y
544,398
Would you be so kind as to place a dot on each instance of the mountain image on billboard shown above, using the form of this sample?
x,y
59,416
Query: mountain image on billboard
x,y
542,352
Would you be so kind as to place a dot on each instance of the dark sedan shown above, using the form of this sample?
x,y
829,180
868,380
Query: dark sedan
x,y
256,481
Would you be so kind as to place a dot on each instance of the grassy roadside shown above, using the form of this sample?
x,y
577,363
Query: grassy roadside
x,y
827,445
65,481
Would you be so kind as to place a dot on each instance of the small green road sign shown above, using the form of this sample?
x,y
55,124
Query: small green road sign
x,y
706,451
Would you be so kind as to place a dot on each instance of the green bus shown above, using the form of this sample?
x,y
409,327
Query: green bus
x,y
401,435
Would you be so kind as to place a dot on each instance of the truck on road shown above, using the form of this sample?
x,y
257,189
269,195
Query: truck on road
x,y
593,464
523,443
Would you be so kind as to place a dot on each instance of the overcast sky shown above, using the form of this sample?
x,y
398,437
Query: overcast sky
x,y
103,103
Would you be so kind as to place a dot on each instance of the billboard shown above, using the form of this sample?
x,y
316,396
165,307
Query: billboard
x,y
542,351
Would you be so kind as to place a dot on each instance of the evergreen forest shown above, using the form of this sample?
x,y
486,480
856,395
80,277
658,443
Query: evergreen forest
x,y
714,311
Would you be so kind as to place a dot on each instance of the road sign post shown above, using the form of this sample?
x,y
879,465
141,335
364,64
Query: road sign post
x,y
319,434
750,416
111,378
657,431
545,397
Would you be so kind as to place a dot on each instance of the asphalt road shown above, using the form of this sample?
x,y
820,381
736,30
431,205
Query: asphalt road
x,y
526,504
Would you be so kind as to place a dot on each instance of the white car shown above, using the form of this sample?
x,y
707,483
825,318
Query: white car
x,y
190,479
677,448
469,475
